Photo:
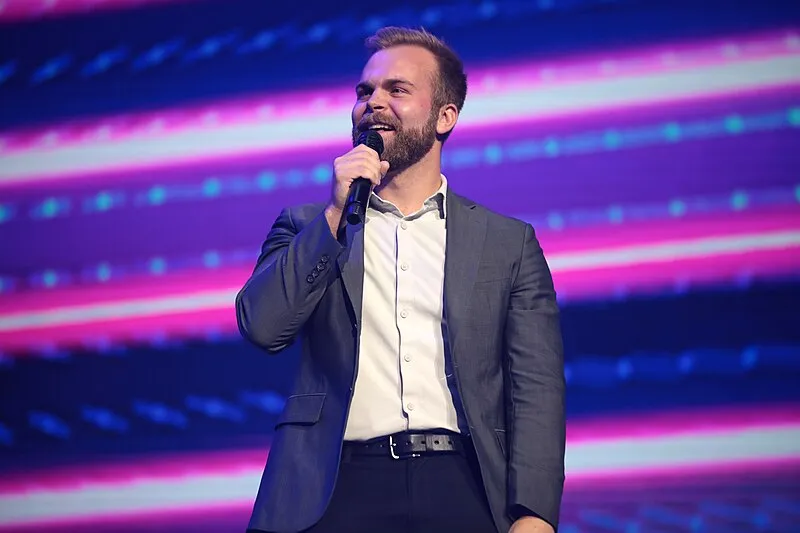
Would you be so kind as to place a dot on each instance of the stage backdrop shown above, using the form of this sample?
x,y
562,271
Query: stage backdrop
x,y
146,147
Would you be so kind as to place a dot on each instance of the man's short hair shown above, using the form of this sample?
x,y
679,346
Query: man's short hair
x,y
450,87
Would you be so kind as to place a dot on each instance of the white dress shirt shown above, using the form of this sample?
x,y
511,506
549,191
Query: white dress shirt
x,y
402,383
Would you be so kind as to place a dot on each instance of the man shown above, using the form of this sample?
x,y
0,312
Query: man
x,y
430,394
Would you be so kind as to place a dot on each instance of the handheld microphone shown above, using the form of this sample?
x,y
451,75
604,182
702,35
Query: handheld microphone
x,y
356,206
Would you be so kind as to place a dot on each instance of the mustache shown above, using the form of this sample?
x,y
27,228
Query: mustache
x,y
372,120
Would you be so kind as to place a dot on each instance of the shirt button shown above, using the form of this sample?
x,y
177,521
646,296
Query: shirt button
x,y
403,313
403,225
410,407
407,358
404,266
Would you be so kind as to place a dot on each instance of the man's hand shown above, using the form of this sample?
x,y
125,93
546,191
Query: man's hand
x,y
360,162
530,524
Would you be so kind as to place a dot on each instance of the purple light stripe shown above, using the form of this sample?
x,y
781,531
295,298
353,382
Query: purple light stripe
x,y
184,485
20,10
279,123
586,265
555,185
111,270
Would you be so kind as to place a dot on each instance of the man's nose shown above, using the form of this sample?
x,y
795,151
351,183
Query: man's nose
x,y
377,101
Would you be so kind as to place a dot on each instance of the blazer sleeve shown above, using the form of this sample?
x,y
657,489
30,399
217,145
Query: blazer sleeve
x,y
536,368
290,277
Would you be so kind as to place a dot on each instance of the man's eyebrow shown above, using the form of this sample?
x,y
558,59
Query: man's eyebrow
x,y
365,85
394,81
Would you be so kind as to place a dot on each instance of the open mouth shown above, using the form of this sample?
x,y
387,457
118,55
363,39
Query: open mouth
x,y
380,128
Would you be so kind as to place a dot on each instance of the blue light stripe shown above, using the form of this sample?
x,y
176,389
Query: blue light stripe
x,y
492,153
555,221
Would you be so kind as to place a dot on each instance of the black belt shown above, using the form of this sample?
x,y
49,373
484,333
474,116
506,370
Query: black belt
x,y
407,444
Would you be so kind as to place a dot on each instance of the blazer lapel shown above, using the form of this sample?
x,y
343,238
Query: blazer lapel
x,y
466,232
351,266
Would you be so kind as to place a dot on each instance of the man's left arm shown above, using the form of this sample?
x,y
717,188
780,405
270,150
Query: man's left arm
x,y
537,428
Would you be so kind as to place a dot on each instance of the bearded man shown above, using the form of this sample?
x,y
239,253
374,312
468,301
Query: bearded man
x,y
430,393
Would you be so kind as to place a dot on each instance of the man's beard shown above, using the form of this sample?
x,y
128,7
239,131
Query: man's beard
x,y
408,145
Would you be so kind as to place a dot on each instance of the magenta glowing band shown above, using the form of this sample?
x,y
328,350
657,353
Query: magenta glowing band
x,y
586,263
502,95
609,450
22,10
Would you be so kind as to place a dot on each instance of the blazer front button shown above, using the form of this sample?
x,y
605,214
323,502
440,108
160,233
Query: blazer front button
x,y
310,278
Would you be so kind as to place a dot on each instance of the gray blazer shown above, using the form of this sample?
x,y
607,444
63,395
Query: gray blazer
x,y
505,339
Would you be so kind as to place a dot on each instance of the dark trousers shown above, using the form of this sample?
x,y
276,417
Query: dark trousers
x,y
440,493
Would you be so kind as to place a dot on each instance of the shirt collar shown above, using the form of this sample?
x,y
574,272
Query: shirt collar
x,y
437,200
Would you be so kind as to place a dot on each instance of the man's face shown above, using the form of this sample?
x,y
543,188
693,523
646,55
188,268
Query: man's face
x,y
395,97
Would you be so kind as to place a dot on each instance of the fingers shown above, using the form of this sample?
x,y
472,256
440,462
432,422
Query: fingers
x,y
361,162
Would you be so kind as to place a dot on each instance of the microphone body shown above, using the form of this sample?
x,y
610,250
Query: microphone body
x,y
355,208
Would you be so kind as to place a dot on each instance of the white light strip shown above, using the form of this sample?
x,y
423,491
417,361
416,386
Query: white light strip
x,y
608,458
120,310
142,496
539,100
653,88
584,260
693,449
674,251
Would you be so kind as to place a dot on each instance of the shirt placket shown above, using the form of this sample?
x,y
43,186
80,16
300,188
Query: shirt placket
x,y
405,318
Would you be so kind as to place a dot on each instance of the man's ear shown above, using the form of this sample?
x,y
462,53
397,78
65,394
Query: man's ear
x,y
448,116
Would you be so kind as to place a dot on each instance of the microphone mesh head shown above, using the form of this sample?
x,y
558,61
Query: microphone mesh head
x,y
372,139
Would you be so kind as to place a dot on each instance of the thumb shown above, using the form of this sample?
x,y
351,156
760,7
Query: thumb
x,y
384,168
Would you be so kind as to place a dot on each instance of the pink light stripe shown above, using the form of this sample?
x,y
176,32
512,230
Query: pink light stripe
x,y
690,273
645,61
126,470
301,104
138,288
194,469
185,307
20,10
661,423
689,475
233,122
554,243
537,127
579,432
609,235
484,81
231,280
222,515
183,325
192,324
225,514
693,481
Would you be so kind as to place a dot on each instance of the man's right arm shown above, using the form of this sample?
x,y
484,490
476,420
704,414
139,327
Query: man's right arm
x,y
291,276
295,267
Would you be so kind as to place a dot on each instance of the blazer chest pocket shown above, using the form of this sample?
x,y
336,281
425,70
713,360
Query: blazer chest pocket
x,y
302,409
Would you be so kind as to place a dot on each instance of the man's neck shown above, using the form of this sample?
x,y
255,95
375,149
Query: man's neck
x,y
409,189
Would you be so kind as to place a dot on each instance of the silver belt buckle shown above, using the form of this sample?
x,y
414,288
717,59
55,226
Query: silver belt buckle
x,y
392,444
